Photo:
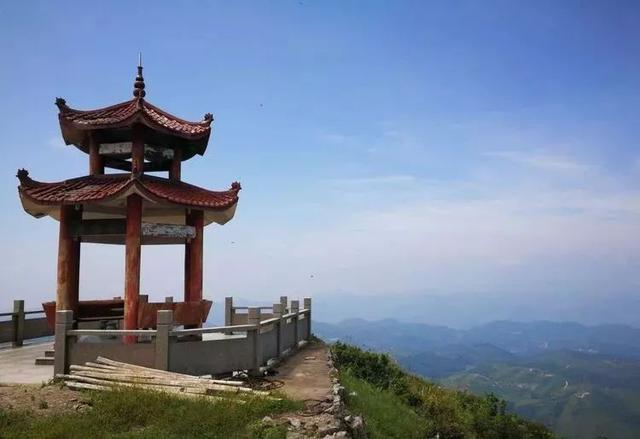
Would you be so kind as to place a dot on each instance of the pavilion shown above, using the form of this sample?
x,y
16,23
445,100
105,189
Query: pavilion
x,y
131,208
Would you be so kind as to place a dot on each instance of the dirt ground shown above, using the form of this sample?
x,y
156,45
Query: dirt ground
x,y
306,374
306,377
50,399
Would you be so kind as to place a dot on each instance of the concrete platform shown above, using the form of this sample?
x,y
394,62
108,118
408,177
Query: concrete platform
x,y
17,365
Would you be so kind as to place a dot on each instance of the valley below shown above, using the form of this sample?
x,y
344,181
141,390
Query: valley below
x,y
581,381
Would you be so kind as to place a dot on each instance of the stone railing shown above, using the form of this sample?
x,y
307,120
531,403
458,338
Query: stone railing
x,y
260,342
18,327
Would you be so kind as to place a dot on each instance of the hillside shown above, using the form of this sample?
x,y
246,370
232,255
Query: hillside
x,y
579,395
396,404
581,381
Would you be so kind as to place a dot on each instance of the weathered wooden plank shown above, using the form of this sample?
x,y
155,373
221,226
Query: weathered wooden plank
x,y
168,230
121,148
152,153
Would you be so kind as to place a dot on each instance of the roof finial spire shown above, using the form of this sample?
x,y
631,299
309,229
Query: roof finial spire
x,y
138,86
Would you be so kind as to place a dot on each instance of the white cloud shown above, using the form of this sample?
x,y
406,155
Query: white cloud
x,y
542,160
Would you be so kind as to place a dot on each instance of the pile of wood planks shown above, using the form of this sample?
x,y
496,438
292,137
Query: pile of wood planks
x,y
106,374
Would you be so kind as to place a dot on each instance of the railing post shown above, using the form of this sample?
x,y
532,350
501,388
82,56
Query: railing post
x,y
18,322
277,314
164,326
64,323
228,313
284,300
295,309
307,306
253,318
168,299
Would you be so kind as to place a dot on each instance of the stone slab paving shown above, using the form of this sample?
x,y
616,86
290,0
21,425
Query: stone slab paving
x,y
17,365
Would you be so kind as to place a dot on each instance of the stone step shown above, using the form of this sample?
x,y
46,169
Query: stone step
x,y
50,354
44,361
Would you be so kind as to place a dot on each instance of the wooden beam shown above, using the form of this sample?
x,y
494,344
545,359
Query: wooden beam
x,y
151,153
168,231
121,148
118,227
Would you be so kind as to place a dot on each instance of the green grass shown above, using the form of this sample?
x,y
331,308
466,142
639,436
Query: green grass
x,y
396,404
134,413
387,416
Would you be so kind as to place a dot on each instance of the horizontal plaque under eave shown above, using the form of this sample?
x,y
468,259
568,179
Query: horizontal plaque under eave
x,y
113,231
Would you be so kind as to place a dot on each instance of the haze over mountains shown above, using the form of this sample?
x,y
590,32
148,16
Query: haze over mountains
x,y
472,309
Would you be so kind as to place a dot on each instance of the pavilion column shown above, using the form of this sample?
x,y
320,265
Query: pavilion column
x,y
193,257
68,276
96,161
137,150
176,163
132,263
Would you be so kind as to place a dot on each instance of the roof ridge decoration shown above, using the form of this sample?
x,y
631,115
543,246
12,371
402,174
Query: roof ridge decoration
x,y
112,119
138,85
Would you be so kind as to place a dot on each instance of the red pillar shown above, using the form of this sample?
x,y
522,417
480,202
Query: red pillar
x,y
96,161
137,150
132,264
176,162
68,261
194,254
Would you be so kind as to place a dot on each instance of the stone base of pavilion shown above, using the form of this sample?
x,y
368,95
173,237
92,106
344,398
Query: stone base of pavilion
x,y
252,339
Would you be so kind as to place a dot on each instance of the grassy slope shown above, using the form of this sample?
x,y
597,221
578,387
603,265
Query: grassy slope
x,y
383,410
395,404
132,413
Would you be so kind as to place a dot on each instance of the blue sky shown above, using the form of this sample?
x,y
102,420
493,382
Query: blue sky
x,y
467,149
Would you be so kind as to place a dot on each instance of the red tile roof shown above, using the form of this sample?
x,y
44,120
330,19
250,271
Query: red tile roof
x,y
134,110
96,188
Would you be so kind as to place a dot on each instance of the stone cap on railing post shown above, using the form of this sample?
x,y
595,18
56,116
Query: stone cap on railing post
x,y
278,310
307,303
165,317
295,306
284,300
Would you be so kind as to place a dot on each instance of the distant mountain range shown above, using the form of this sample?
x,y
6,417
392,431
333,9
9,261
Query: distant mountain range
x,y
582,381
